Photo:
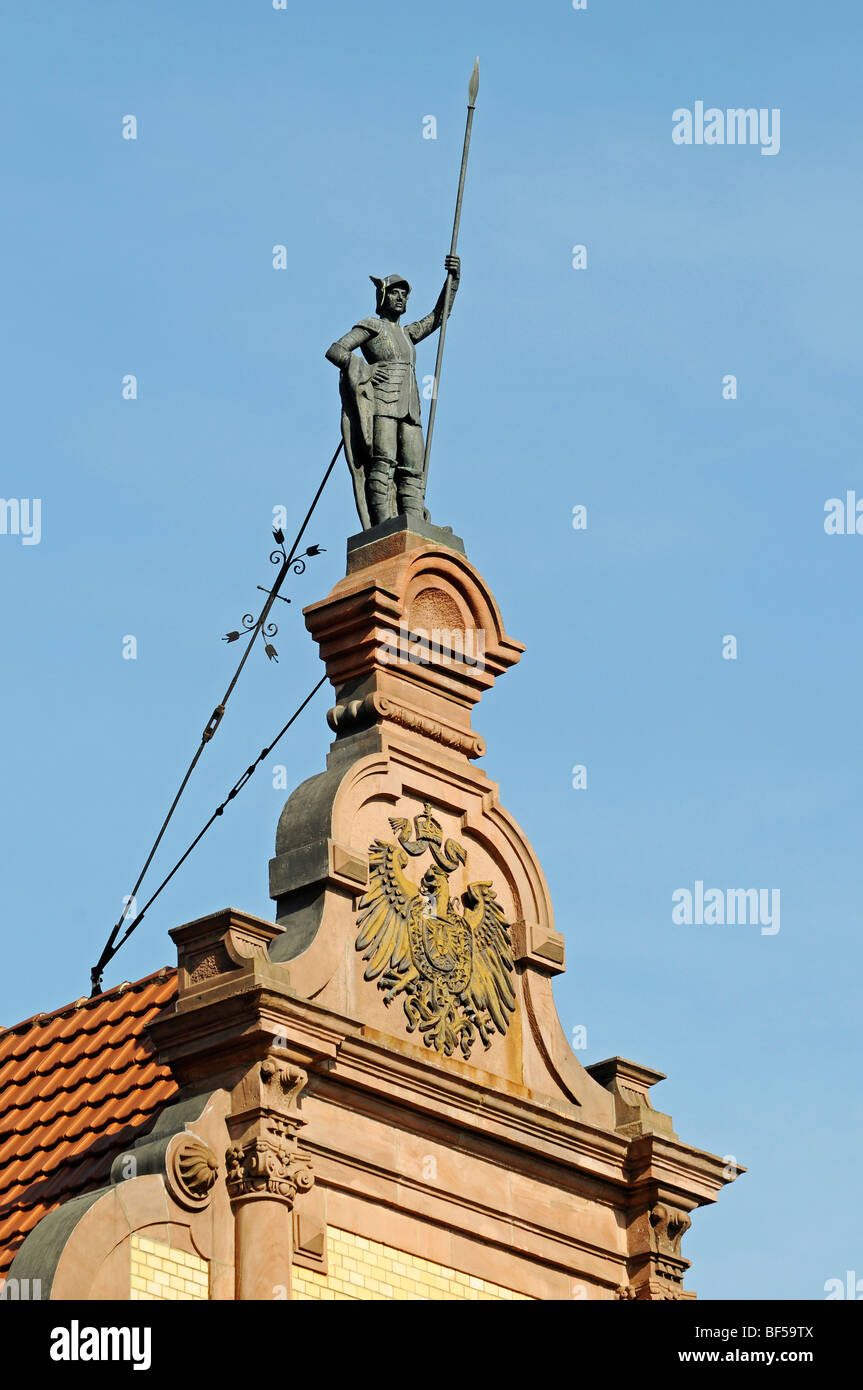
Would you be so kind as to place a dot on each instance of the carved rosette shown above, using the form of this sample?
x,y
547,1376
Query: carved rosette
x,y
192,1171
265,1160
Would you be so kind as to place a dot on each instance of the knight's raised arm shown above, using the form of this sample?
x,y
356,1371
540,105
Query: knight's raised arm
x,y
425,326
453,276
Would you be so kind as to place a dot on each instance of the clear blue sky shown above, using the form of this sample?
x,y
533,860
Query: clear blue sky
x,y
600,386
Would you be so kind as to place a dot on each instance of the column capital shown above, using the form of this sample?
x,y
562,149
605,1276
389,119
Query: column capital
x,y
265,1160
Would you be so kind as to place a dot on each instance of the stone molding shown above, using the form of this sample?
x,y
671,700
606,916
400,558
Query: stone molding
x,y
377,707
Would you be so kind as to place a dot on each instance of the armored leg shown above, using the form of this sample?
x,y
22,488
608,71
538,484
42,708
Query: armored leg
x,y
379,489
410,490
379,477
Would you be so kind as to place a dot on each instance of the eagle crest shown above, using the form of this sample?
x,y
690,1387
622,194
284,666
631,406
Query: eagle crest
x,y
450,959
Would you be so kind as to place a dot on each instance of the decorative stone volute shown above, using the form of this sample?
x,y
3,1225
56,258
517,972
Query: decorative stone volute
x,y
656,1266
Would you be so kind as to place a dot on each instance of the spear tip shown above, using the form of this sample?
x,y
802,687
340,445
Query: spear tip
x,y
473,87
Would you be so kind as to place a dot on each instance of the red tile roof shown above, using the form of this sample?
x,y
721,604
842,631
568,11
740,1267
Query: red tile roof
x,y
77,1087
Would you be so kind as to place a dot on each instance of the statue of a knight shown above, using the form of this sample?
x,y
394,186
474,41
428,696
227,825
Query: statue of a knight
x,y
381,420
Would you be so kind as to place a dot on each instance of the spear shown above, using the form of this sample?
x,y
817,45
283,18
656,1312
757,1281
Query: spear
x,y
473,88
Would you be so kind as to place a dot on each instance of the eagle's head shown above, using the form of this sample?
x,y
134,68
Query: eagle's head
x,y
434,880
434,884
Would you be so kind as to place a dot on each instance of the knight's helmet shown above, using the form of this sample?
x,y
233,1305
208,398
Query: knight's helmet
x,y
381,287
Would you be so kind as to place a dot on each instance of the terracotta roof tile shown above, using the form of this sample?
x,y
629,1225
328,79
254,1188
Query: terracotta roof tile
x,y
72,1179
77,1087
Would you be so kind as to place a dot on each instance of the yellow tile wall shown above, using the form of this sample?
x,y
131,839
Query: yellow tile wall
x,y
365,1269
160,1271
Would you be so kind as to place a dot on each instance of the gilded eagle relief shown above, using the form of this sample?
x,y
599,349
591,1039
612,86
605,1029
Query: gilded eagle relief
x,y
449,958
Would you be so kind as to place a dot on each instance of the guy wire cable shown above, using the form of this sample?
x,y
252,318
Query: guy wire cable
x,y
109,954
214,720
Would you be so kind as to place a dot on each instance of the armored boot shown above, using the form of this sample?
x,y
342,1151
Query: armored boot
x,y
409,493
378,487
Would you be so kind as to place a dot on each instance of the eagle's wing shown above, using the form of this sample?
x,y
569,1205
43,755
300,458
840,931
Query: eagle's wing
x,y
384,910
490,987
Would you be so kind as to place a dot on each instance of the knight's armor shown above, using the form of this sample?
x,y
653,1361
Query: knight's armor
x,y
382,341
382,420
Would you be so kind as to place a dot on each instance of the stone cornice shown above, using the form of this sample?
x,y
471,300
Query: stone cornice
x,y
661,1168
232,1024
